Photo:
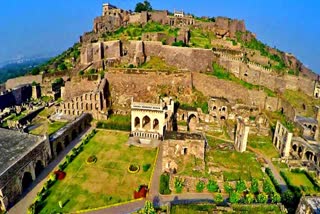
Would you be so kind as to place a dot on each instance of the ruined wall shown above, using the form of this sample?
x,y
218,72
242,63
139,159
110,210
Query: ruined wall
x,y
77,87
193,59
260,76
10,181
14,82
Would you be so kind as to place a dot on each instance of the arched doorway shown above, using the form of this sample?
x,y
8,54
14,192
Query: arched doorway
x,y
222,118
137,122
309,155
58,148
294,147
26,181
156,124
146,124
192,122
39,167
74,134
66,141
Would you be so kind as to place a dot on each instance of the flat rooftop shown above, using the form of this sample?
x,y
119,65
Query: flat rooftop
x,y
302,120
183,136
14,145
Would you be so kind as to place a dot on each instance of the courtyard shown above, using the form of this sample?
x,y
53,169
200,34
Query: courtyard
x,y
105,182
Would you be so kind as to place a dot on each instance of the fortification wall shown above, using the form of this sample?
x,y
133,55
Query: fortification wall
x,y
14,82
77,87
193,59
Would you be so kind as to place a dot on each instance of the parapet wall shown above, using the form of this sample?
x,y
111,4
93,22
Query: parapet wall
x,y
14,82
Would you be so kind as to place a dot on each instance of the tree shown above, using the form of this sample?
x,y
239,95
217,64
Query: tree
x,y
35,71
212,186
62,67
143,6
178,185
267,187
254,186
219,198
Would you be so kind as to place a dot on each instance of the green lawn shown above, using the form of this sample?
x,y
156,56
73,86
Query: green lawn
x,y
299,179
47,127
105,182
234,165
264,145
116,122
46,112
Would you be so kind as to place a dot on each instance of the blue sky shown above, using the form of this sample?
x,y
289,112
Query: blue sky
x,y
35,27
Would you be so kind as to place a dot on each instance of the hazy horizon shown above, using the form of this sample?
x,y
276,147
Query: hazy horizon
x,y
30,28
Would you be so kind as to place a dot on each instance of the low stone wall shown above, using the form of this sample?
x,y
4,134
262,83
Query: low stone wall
x,y
14,82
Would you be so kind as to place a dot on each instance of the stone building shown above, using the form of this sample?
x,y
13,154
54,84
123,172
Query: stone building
x,y
316,92
151,121
16,96
94,102
282,139
241,135
178,145
22,158
308,127
218,108
309,205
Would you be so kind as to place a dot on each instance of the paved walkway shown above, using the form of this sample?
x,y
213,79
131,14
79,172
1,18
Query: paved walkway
x,y
126,208
28,197
275,172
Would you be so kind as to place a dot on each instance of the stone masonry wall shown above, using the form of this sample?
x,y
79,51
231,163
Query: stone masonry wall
x,y
14,82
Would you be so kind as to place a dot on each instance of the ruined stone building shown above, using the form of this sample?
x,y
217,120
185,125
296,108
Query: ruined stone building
x,y
316,92
241,136
282,139
309,205
218,108
151,121
22,158
94,102
178,145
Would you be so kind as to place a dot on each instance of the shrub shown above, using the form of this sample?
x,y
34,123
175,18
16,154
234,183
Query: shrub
x,y
91,159
218,198
133,168
249,199
275,198
228,188
81,73
164,184
254,186
178,185
234,197
267,187
262,198
240,186
200,186
179,44
273,180
212,186
146,167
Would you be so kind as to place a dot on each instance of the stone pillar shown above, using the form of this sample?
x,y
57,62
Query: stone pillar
x,y
287,146
316,134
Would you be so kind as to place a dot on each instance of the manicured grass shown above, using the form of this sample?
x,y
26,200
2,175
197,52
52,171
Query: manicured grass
x,y
187,164
264,145
116,122
192,208
299,179
254,209
46,112
105,182
234,165
47,127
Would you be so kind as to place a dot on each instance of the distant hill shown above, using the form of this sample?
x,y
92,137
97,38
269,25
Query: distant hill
x,y
19,68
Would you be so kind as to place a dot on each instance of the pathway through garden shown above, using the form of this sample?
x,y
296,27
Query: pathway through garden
x,y
28,197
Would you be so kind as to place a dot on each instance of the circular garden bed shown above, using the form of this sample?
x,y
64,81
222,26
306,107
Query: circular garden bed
x,y
133,168
92,159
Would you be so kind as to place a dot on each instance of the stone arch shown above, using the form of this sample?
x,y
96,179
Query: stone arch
x,y
315,159
294,147
314,128
26,180
66,141
309,155
214,108
80,129
59,148
223,108
137,122
146,123
156,124
74,134
87,106
90,96
309,126
38,167
300,150
222,118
